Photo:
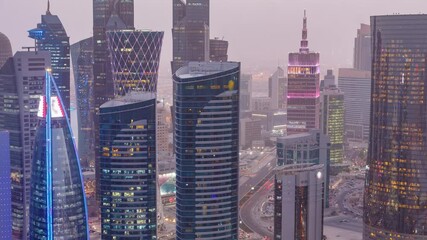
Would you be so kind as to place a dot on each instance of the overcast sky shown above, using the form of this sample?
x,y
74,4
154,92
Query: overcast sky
x,y
261,32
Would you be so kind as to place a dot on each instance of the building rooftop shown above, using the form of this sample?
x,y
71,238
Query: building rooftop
x,y
130,98
201,69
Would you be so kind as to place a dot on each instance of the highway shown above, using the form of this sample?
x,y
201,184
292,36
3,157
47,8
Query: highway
x,y
250,213
249,198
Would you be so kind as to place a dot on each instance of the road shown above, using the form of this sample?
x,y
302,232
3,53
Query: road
x,y
265,166
249,198
250,213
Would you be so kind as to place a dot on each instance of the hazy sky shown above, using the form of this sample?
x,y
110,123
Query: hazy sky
x,y
261,32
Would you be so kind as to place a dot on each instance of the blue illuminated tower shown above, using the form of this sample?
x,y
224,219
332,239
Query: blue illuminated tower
x,y
58,205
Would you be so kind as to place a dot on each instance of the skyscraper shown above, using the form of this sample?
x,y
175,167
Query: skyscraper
x,y
107,15
5,188
190,32
51,36
356,86
135,57
298,202
207,150
105,12
303,87
82,60
332,122
128,167
274,87
21,85
218,50
58,204
362,48
5,49
395,189
128,137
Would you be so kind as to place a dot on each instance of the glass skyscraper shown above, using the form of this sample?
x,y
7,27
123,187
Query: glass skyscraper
x,y
395,205
206,101
57,204
51,36
82,60
190,32
303,96
128,167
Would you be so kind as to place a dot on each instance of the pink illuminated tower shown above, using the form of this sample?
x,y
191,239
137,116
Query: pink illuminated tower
x,y
303,87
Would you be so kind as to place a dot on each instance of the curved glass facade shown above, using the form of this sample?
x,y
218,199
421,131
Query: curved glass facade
x,y
58,204
206,101
128,167
396,182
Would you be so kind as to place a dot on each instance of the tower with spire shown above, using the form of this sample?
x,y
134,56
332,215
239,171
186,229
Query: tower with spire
x,y
303,87
50,35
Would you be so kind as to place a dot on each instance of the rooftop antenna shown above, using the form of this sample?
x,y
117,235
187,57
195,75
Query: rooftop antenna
x,y
48,8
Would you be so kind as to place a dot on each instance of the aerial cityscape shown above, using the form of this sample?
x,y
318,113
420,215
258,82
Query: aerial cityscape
x,y
213,120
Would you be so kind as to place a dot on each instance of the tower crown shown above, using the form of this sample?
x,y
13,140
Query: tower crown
x,y
304,41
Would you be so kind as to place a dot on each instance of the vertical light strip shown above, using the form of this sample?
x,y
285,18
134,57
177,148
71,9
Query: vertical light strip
x,y
77,157
49,188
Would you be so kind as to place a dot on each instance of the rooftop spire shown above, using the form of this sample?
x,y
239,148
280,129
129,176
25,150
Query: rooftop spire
x,y
48,8
304,41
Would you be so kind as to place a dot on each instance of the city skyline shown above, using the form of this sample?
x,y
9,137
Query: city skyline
x,y
263,57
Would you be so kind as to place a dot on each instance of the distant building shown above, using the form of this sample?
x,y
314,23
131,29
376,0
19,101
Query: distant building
x,y
311,147
332,121
128,167
21,85
328,81
58,203
207,150
5,188
5,49
395,199
162,134
298,202
276,123
362,48
261,104
245,92
303,103
218,50
275,88
356,86
190,32
50,36
82,61
250,131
